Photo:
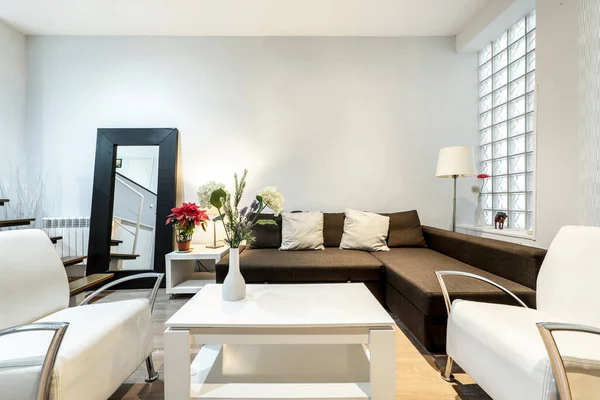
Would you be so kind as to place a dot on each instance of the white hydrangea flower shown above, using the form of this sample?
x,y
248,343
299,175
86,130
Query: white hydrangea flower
x,y
272,198
205,191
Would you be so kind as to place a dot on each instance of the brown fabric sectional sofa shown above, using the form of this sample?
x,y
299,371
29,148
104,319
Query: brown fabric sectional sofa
x,y
402,279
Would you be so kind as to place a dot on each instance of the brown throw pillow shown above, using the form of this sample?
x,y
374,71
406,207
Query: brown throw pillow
x,y
333,229
267,236
405,230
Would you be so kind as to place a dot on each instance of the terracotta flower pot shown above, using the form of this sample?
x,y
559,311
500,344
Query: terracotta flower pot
x,y
184,246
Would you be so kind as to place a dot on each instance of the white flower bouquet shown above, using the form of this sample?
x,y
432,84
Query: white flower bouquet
x,y
238,223
204,193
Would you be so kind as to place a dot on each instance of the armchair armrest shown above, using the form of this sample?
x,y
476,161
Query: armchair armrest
x,y
558,367
440,275
151,298
59,328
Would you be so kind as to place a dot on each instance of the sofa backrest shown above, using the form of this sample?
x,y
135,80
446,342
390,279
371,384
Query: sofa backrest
x,y
405,230
267,236
569,280
333,228
512,261
33,281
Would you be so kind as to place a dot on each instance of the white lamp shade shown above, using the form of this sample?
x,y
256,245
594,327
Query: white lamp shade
x,y
455,161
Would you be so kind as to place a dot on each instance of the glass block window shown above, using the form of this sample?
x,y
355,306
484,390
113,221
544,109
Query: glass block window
x,y
506,124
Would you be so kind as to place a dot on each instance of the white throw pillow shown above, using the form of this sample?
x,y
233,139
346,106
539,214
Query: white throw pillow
x,y
302,231
365,231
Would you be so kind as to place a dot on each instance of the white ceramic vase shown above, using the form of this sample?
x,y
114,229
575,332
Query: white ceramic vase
x,y
479,215
234,285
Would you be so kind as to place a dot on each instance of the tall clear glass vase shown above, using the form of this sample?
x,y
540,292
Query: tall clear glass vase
x,y
479,215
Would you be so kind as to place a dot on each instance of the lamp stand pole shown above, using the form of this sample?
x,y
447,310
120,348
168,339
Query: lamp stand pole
x,y
214,245
454,205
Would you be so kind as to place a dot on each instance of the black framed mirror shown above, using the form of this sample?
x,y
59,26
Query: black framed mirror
x,y
134,190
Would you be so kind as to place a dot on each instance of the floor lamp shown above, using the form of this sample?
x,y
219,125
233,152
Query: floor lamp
x,y
455,162
214,245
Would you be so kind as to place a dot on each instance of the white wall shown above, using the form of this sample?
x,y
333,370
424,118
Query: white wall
x,y
13,85
332,122
557,117
589,107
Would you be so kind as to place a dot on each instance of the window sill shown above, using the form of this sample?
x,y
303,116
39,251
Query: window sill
x,y
515,233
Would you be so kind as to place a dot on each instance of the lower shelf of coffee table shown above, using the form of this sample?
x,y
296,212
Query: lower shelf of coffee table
x,y
281,372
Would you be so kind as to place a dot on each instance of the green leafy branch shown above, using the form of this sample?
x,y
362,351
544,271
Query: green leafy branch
x,y
238,223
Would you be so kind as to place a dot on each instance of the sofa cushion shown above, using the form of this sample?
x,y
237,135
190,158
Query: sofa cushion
x,y
267,236
329,265
302,231
103,345
333,229
405,230
365,231
411,271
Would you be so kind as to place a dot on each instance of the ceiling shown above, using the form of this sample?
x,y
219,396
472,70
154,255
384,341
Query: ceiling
x,y
241,17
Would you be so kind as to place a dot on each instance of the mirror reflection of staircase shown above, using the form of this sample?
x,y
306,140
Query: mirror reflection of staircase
x,y
134,216
77,284
116,260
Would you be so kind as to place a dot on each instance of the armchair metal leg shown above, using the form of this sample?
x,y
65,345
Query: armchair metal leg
x,y
446,374
152,374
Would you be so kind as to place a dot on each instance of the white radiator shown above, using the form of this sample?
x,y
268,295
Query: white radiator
x,y
75,232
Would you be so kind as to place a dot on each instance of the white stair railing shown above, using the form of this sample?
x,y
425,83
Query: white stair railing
x,y
138,215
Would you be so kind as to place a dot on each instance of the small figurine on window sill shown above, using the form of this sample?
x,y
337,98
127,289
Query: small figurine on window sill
x,y
499,220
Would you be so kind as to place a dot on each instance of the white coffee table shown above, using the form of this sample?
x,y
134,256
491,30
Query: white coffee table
x,y
313,341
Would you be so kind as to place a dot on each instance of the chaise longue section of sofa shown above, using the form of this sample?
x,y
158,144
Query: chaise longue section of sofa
x,y
402,279
414,294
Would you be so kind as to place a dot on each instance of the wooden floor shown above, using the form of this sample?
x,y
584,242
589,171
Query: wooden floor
x,y
417,376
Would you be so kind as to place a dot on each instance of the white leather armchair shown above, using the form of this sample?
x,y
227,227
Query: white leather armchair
x,y
29,378
500,347
104,342
575,378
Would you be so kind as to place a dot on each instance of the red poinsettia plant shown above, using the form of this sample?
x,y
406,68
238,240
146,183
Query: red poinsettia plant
x,y
185,219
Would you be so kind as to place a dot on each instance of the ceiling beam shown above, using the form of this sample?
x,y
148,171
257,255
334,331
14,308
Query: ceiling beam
x,y
489,24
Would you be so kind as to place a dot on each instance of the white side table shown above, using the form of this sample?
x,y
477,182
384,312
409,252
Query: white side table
x,y
179,268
